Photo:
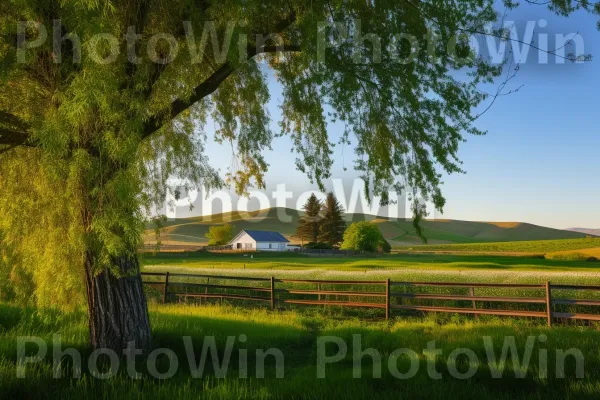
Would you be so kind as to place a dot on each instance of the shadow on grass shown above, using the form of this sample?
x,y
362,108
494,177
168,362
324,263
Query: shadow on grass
x,y
296,336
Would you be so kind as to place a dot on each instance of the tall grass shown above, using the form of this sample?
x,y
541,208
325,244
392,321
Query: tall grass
x,y
296,333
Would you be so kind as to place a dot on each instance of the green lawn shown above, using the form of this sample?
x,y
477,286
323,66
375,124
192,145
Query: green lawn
x,y
295,334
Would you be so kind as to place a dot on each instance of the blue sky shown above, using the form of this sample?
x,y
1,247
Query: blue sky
x,y
539,161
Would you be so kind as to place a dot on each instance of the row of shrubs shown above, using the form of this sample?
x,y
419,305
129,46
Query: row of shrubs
x,y
567,257
573,257
385,246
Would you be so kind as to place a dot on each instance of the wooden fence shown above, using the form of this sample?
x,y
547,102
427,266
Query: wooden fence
x,y
180,248
378,296
333,252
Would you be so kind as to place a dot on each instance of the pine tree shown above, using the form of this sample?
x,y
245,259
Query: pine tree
x,y
333,224
309,223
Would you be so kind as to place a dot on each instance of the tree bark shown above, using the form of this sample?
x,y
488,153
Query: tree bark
x,y
117,308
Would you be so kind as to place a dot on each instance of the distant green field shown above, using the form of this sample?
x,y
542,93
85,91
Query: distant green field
x,y
539,246
418,264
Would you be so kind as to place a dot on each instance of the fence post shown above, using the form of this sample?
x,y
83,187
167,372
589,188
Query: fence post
x,y
205,298
472,294
272,293
319,290
166,288
549,304
387,299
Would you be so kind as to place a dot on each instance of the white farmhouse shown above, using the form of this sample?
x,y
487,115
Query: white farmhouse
x,y
259,240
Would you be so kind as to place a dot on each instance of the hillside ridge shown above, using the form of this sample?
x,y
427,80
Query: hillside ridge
x,y
399,232
587,231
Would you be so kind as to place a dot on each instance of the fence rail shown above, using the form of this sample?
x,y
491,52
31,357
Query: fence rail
x,y
328,293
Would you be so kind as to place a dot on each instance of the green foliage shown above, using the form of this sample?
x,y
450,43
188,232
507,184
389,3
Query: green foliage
x,y
41,242
7,286
309,223
219,235
574,256
333,225
384,246
362,236
108,136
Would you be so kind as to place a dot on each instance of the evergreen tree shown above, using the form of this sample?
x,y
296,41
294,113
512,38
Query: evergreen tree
x,y
333,224
309,223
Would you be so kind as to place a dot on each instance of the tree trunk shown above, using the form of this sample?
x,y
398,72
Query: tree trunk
x,y
117,308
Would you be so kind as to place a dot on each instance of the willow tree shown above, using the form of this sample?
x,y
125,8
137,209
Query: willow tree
x,y
102,101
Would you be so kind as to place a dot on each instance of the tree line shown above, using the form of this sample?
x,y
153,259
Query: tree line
x,y
323,226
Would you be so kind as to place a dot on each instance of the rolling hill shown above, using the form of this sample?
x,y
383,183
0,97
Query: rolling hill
x,y
593,232
397,232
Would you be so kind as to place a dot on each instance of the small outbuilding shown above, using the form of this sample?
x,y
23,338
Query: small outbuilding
x,y
259,240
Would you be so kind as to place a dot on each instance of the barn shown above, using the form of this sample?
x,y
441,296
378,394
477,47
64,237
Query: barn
x,y
259,240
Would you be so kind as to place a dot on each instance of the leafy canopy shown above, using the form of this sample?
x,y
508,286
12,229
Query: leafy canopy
x,y
363,236
87,148
219,235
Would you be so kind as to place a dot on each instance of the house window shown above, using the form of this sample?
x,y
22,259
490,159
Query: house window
x,y
248,245
270,245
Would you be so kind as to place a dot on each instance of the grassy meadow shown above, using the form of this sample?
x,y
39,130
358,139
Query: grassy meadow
x,y
413,262
295,334
583,249
534,246
397,268
295,330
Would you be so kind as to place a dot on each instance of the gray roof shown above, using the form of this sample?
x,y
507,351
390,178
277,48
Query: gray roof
x,y
266,236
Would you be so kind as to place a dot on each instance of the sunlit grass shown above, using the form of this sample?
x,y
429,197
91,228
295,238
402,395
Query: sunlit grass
x,y
537,246
394,262
296,333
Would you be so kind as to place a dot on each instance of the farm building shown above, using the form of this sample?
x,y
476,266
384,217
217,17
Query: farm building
x,y
259,240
